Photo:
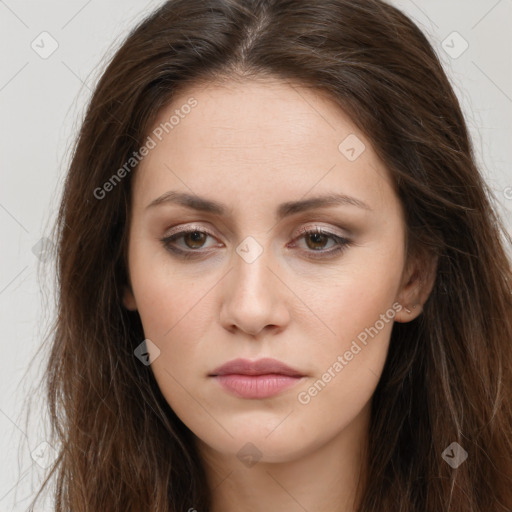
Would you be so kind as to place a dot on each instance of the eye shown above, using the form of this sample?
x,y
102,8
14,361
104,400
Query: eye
x,y
316,240
195,239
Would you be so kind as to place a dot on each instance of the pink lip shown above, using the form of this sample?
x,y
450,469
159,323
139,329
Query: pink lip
x,y
256,379
259,367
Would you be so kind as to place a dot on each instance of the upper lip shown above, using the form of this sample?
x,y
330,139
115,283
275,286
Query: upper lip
x,y
259,367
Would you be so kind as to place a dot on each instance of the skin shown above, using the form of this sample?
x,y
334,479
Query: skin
x,y
253,145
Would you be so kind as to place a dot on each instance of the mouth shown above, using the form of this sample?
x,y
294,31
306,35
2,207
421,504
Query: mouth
x,y
259,379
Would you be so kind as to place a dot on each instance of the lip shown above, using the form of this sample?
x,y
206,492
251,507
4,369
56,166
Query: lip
x,y
259,379
263,366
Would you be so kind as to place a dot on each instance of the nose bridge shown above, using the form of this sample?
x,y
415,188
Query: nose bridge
x,y
252,299
251,276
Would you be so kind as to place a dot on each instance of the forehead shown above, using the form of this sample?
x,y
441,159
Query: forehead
x,y
265,134
254,113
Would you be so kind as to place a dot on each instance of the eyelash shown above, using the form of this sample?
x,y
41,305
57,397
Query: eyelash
x,y
342,243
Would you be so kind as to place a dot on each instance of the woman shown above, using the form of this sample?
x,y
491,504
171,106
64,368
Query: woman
x,y
282,280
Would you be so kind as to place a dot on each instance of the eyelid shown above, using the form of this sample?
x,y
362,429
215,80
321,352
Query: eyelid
x,y
186,229
341,241
302,231
327,230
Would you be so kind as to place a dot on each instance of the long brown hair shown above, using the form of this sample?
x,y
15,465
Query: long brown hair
x,y
448,375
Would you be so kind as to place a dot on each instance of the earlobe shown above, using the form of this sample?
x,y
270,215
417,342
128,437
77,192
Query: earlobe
x,y
416,288
129,299
408,313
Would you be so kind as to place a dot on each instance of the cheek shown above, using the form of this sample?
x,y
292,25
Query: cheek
x,y
174,317
358,311
175,309
175,314
166,296
347,365
355,296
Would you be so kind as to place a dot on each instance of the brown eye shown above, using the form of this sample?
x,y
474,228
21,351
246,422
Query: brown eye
x,y
195,239
316,243
318,240
187,244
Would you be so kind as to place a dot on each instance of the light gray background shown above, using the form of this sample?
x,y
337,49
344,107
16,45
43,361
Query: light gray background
x,y
41,103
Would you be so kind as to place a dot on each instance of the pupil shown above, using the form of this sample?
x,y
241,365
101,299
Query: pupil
x,y
195,237
317,238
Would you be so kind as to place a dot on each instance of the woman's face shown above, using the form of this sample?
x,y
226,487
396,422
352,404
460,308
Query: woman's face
x,y
246,170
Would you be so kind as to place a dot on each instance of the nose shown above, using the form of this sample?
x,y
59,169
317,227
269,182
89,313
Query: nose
x,y
254,298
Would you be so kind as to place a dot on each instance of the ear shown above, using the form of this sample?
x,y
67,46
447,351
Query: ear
x,y
129,299
418,280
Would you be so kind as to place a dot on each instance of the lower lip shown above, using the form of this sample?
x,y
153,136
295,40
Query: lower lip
x,y
256,386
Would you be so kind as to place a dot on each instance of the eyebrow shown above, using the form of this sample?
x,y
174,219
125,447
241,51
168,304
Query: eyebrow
x,y
285,209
